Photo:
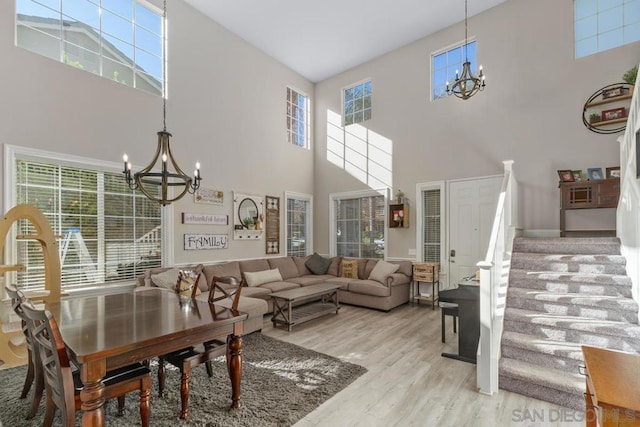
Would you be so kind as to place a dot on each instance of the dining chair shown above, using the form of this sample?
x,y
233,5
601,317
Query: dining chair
x,y
188,358
63,386
34,367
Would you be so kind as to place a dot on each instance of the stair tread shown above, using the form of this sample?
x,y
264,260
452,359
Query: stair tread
x,y
570,350
582,258
549,377
569,298
572,276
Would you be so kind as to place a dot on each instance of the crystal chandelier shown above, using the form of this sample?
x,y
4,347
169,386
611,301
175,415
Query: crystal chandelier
x,y
170,174
466,85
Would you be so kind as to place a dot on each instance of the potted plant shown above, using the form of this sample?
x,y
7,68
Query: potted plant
x,y
249,222
630,76
399,196
594,118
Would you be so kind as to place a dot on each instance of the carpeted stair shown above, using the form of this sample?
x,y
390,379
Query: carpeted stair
x,y
563,293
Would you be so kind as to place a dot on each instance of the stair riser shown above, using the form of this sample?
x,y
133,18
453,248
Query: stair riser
x,y
575,336
570,266
541,359
561,247
572,287
569,309
558,397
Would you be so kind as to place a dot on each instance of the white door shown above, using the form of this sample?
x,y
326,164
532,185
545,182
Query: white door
x,y
472,207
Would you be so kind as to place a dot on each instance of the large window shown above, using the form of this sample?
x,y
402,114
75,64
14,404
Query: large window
x,y
107,232
431,225
117,39
299,234
600,25
357,103
359,225
446,63
298,123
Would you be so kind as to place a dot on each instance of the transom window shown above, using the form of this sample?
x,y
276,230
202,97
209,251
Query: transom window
x,y
298,225
357,103
298,118
600,25
107,232
117,39
447,63
359,226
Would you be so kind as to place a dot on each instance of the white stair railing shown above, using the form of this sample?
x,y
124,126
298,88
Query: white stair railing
x,y
494,275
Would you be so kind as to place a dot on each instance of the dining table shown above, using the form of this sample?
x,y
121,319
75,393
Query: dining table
x,y
105,332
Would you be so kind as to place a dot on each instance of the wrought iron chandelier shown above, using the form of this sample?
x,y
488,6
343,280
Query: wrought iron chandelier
x,y
466,85
170,175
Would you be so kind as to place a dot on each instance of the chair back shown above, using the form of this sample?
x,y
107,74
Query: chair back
x,y
17,298
218,292
56,367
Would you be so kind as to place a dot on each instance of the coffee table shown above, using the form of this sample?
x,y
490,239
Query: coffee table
x,y
283,309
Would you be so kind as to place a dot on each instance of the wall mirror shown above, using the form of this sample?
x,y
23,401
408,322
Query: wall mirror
x,y
248,213
248,217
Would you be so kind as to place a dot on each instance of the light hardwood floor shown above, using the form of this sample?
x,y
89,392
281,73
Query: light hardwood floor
x,y
408,382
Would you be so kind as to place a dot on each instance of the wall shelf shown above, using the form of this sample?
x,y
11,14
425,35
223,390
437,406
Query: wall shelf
x,y
398,215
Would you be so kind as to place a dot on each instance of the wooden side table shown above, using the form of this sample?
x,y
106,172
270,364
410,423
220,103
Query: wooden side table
x,y
426,272
613,389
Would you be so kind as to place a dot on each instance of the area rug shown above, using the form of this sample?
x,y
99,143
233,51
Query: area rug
x,y
281,383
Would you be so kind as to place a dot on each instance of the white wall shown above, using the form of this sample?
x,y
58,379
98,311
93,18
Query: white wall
x,y
226,108
530,112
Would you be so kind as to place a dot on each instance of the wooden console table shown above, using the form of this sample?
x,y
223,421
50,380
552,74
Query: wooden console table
x,y
588,195
613,389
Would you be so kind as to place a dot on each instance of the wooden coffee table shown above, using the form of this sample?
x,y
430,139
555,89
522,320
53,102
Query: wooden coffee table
x,y
284,313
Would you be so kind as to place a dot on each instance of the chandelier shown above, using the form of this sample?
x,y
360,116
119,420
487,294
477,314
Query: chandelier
x,y
466,85
170,174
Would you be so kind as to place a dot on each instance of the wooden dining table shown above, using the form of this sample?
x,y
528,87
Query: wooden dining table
x,y
109,331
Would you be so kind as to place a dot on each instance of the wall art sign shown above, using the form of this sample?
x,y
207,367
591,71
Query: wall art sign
x,y
272,225
209,196
204,219
195,242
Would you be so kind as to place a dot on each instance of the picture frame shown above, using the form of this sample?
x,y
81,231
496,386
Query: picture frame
x,y
577,175
614,113
613,172
595,174
566,175
209,196
615,91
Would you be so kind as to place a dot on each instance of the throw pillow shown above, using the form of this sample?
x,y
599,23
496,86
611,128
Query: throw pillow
x,y
187,279
167,279
318,264
350,268
381,270
258,278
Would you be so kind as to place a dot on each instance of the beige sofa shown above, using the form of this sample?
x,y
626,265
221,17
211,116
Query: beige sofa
x,y
267,275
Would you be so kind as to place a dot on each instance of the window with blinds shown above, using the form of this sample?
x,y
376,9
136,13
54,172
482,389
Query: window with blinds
x,y
431,225
298,226
107,231
360,227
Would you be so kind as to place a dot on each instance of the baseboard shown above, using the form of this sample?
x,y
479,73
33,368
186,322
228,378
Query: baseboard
x,y
540,233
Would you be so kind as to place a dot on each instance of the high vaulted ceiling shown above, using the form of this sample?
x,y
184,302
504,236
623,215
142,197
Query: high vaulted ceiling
x,y
322,38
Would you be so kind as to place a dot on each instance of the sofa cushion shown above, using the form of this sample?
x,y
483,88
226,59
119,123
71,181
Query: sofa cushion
x,y
311,279
300,263
279,286
186,281
334,268
342,281
253,265
287,267
251,306
382,270
231,268
258,278
318,264
168,279
369,287
365,270
350,268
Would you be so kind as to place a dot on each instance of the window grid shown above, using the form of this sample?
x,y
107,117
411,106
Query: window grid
x,y
360,227
446,64
121,40
602,25
298,122
298,226
357,103
108,233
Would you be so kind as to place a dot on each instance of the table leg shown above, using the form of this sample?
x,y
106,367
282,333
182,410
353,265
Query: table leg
x,y
92,395
234,364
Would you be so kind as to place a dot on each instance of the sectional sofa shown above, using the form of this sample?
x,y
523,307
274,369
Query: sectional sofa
x,y
365,282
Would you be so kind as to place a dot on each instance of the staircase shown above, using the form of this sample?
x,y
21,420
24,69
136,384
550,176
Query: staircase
x,y
564,292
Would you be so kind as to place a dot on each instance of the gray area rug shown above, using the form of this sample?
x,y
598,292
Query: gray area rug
x,y
281,383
